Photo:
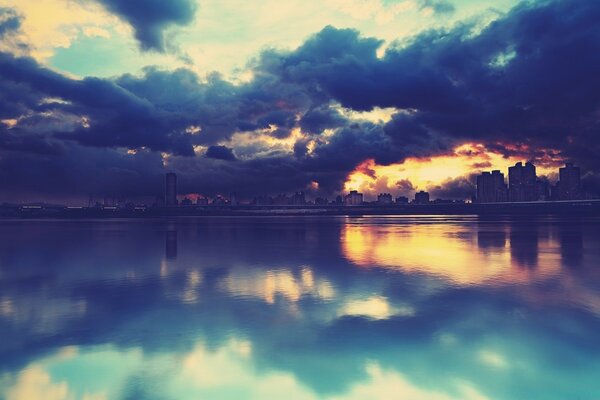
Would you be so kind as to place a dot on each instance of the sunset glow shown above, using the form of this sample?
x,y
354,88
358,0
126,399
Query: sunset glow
x,y
416,174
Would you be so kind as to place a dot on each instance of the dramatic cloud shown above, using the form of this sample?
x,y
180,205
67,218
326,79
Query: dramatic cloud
x,y
150,18
461,188
512,81
220,153
512,86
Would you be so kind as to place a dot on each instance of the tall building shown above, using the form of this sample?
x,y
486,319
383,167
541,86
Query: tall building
x,y
282,200
298,199
385,198
491,187
233,199
542,188
263,200
353,198
422,197
569,182
522,182
170,189
401,200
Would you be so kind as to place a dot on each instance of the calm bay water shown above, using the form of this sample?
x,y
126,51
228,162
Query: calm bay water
x,y
300,308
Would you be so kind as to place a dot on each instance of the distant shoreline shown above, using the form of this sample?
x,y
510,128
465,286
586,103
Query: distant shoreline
x,y
575,207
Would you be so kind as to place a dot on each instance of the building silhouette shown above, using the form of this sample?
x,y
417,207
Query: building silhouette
x,y
491,187
542,187
401,200
569,182
422,197
282,200
233,199
353,198
170,189
522,182
219,200
384,198
299,199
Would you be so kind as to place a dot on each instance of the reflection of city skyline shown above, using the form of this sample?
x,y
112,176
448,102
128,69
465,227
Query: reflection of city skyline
x,y
307,292
454,253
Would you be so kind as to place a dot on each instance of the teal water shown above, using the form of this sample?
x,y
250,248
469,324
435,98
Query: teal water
x,y
300,308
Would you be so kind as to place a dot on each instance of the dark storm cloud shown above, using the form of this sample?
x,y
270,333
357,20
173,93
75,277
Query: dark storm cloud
x,y
220,153
529,76
117,116
150,18
322,117
524,83
68,169
461,188
405,186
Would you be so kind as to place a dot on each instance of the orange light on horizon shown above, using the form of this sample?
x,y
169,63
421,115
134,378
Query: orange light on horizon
x,y
424,173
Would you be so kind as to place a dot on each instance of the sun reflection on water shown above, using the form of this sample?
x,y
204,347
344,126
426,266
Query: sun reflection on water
x,y
451,252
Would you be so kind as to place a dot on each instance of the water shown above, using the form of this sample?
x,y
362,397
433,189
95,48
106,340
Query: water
x,y
300,308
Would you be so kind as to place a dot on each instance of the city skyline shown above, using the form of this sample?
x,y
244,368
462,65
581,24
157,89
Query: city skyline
x,y
523,186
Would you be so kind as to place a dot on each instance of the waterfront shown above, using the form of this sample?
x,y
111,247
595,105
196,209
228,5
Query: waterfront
x,y
425,307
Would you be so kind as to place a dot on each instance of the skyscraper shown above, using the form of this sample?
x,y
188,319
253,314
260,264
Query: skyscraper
x,y
422,197
170,189
522,182
233,199
384,198
491,187
569,184
353,198
299,199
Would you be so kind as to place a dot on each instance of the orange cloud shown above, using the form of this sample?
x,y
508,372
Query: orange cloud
x,y
423,173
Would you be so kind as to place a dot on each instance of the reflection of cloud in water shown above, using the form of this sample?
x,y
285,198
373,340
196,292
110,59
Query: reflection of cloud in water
x,y
355,333
225,372
375,307
267,285
448,251
385,384
41,313
35,383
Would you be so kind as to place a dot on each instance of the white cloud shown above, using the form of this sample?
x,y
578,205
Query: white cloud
x,y
35,383
492,359
50,24
267,285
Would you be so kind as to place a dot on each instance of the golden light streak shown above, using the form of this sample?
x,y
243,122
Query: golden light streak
x,y
10,123
443,250
376,115
371,179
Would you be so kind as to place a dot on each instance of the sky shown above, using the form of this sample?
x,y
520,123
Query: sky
x,y
104,96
